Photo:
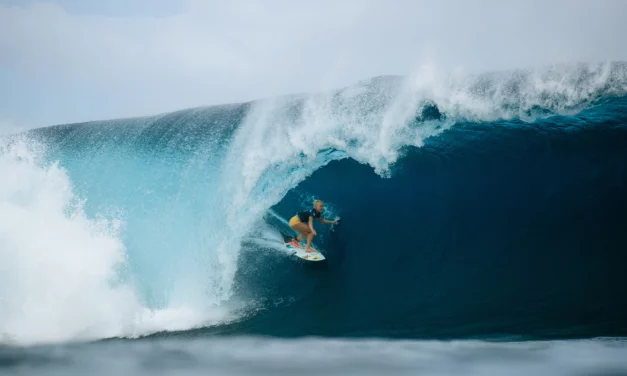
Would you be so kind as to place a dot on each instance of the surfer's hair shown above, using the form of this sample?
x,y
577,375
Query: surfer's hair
x,y
316,202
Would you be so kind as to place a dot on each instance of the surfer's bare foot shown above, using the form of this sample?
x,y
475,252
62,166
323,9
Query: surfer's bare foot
x,y
309,250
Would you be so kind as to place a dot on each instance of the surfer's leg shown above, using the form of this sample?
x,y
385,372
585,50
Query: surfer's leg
x,y
303,229
309,239
305,232
297,225
294,221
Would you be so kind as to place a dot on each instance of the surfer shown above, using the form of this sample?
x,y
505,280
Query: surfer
x,y
303,223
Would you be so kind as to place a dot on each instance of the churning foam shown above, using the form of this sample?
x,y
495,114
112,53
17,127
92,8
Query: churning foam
x,y
59,269
371,121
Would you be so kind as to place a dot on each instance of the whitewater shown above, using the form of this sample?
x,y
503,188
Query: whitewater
x,y
153,227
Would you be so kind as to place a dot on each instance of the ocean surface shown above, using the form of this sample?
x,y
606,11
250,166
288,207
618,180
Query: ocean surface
x,y
483,230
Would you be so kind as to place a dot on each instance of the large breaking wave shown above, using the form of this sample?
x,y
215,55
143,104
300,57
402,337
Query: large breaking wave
x,y
470,205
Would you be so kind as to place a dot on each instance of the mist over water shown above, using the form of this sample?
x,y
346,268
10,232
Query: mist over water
x,y
313,356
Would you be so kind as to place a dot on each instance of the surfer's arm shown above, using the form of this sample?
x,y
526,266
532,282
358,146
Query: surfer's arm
x,y
311,225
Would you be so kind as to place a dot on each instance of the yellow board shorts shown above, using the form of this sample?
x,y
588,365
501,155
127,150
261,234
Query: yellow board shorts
x,y
294,221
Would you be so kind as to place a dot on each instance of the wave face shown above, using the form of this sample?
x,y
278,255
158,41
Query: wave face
x,y
470,206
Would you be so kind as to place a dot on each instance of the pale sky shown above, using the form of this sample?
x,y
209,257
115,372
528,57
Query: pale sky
x,y
67,61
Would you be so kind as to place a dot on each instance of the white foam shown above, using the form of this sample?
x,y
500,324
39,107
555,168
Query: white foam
x,y
58,268
559,89
371,121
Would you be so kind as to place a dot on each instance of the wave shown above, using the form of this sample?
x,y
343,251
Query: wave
x,y
435,177
501,230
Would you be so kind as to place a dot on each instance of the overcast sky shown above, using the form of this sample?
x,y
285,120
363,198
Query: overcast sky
x,y
75,60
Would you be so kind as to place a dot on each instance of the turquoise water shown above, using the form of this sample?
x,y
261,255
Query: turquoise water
x,y
473,208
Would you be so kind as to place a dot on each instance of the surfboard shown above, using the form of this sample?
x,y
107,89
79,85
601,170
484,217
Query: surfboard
x,y
299,250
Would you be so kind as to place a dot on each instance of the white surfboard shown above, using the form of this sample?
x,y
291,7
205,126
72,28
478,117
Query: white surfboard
x,y
300,252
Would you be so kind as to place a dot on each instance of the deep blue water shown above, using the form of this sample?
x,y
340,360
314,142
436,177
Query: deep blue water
x,y
500,217
498,229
